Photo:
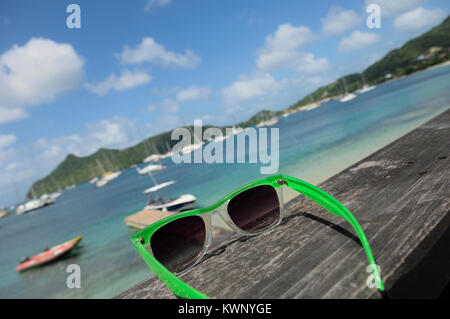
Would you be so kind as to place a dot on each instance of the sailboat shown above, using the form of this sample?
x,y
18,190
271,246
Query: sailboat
x,y
149,169
366,87
269,122
347,96
192,147
107,176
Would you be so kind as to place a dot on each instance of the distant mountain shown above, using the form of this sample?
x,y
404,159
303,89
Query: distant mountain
x,y
417,54
428,49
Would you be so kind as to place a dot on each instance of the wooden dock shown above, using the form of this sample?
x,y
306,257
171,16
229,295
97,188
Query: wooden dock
x,y
145,217
401,197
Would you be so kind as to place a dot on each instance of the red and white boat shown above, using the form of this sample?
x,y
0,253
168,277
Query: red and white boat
x,y
48,255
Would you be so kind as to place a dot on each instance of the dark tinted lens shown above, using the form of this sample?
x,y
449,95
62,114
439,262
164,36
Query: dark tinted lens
x,y
255,208
178,244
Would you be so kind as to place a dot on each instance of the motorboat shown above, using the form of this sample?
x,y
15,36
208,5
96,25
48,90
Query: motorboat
x,y
34,204
182,203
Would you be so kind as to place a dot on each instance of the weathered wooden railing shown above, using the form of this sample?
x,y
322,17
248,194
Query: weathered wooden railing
x,y
401,197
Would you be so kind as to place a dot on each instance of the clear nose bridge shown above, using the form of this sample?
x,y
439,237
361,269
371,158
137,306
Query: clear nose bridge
x,y
221,229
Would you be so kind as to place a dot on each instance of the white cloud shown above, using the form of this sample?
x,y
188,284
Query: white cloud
x,y
171,105
358,40
127,80
281,51
193,94
36,160
156,3
246,88
116,132
390,8
309,64
419,19
7,140
150,51
34,73
281,47
339,20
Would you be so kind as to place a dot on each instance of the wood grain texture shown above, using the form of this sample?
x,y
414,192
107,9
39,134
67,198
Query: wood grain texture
x,y
401,197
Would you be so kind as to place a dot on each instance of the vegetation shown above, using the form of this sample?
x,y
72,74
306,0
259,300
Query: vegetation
x,y
417,54
429,49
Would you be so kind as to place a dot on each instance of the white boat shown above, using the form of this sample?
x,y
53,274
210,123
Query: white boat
x,y
107,177
157,187
270,122
94,180
366,88
190,148
184,202
347,97
55,195
153,158
149,169
220,138
236,130
34,204
112,175
102,182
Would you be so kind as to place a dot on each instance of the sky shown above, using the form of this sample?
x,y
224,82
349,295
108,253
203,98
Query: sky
x,y
133,70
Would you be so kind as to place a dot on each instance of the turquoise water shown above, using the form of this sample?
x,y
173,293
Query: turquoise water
x,y
314,145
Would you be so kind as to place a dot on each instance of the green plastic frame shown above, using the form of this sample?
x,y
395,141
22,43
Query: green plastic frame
x,y
142,239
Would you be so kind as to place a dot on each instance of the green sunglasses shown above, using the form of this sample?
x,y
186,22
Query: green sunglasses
x,y
177,243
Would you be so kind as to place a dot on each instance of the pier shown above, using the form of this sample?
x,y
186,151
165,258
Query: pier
x,y
401,197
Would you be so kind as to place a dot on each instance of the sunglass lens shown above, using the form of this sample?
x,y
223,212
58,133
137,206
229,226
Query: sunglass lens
x,y
255,208
178,244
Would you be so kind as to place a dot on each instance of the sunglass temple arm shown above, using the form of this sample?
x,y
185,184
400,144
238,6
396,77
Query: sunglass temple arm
x,y
336,208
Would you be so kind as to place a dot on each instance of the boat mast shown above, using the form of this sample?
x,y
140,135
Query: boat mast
x,y
345,86
19,198
100,166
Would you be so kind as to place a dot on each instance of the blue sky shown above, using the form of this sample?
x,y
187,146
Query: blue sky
x,y
137,69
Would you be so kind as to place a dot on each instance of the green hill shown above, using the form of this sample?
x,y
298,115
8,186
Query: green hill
x,y
75,170
417,54
433,46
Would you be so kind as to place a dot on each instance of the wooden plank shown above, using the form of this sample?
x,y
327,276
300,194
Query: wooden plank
x,y
145,217
401,197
